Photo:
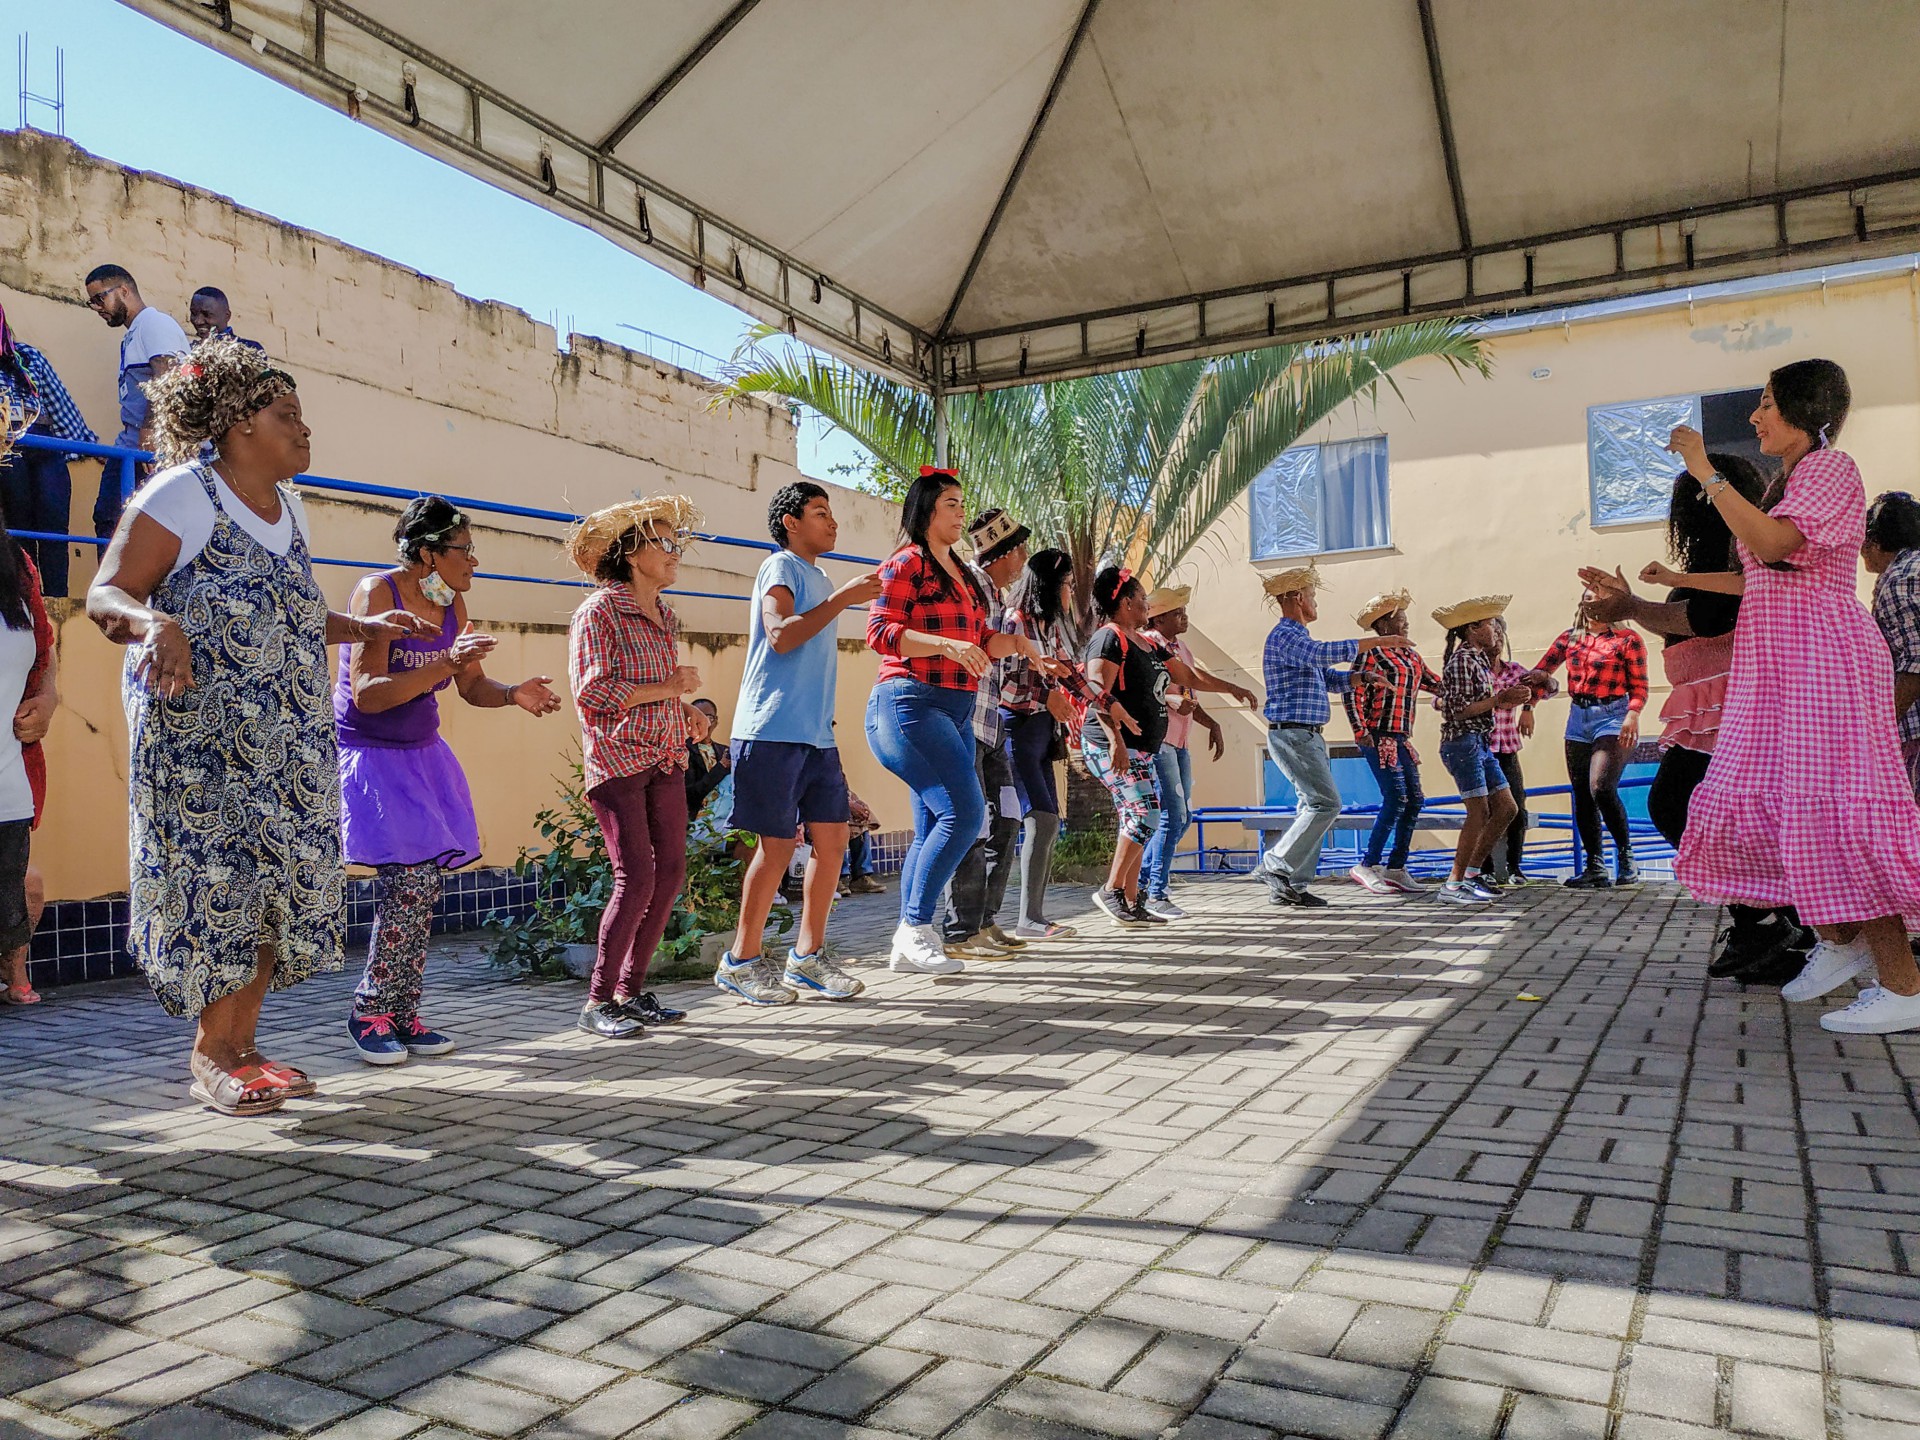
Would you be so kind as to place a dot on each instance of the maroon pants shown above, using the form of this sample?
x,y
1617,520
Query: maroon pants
x,y
644,819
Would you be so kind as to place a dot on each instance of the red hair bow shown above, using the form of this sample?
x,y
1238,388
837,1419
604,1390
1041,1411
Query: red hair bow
x,y
926,470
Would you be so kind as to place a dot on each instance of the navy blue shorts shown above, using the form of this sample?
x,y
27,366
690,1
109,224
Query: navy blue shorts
x,y
778,786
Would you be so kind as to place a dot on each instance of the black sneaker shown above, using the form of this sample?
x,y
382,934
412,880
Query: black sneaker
x,y
1591,878
647,1009
1282,891
1140,914
1114,904
1626,873
609,1021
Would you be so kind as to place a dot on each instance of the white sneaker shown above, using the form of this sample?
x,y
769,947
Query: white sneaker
x,y
1828,967
1878,1011
1371,879
1400,880
1030,932
1164,908
916,950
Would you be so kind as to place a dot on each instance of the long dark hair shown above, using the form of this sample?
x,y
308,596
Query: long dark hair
x,y
916,514
1813,396
1040,592
13,580
1456,637
1698,540
14,364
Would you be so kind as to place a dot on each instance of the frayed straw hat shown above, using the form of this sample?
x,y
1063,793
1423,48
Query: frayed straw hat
x,y
1472,612
601,531
1167,597
1381,606
1300,577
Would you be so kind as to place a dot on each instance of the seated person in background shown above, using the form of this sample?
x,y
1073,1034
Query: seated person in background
x,y
860,878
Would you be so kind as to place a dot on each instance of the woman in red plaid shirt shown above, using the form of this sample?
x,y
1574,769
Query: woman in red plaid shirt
x,y
930,629
631,689
1607,680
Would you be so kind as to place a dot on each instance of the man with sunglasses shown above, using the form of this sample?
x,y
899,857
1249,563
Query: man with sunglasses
x,y
153,345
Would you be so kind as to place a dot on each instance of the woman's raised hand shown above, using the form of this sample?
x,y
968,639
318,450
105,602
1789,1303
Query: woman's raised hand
x,y
1691,446
534,696
1654,573
971,657
1608,596
469,647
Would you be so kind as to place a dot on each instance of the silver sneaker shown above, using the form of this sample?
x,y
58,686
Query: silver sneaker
x,y
819,975
755,981
1163,907
1456,892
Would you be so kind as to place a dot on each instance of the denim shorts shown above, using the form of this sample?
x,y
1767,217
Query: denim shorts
x,y
1589,723
779,785
1473,765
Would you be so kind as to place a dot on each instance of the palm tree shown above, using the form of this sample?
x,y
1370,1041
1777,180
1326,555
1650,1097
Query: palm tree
x,y
1139,464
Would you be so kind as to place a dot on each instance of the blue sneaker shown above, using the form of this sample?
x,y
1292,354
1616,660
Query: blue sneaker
x,y
376,1039
419,1040
755,981
817,973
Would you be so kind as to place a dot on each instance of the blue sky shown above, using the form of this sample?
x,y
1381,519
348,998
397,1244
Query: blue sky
x,y
142,95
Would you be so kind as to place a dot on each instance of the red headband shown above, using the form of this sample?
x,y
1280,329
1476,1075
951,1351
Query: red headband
x,y
1121,583
926,470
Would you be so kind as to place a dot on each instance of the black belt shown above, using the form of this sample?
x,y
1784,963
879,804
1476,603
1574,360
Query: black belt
x,y
1591,702
1294,725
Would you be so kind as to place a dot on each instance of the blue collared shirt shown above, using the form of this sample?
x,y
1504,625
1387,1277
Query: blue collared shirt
x,y
1299,672
56,408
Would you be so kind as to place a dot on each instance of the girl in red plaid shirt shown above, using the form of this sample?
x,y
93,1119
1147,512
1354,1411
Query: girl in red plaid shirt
x,y
930,629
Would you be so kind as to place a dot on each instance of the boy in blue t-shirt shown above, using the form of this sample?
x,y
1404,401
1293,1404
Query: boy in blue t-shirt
x,y
786,765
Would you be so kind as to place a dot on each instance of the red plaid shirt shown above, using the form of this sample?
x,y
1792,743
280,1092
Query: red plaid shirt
x,y
1373,712
1023,689
1505,737
917,596
1602,665
613,648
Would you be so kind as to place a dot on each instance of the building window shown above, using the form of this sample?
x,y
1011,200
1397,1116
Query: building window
x,y
1630,473
1317,499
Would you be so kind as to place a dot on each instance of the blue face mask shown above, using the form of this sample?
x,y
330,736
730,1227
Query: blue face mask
x,y
438,592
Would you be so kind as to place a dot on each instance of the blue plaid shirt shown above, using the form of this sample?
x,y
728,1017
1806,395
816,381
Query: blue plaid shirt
x,y
57,410
1896,607
1299,672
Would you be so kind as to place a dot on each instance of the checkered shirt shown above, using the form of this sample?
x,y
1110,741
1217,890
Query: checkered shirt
x,y
1896,609
1505,738
1023,689
1299,671
1374,713
987,728
614,647
1467,678
917,596
1602,665
57,409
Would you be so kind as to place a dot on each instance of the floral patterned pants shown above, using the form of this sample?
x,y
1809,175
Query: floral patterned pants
x,y
1136,798
403,897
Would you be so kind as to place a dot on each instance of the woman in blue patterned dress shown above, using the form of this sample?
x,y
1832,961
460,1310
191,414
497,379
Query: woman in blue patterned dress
x,y
237,883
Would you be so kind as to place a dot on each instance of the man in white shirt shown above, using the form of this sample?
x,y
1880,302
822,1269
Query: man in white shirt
x,y
152,346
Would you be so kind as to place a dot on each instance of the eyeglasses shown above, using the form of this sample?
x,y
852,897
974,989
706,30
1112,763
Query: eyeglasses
x,y
466,550
99,302
667,544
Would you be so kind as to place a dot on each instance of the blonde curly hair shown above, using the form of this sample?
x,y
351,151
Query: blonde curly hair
x,y
216,385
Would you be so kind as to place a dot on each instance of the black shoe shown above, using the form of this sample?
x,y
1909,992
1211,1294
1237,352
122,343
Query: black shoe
x,y
1591,878
1774,969
609,1021
1282,891
647,1009
1626,873
1757,946
1140,914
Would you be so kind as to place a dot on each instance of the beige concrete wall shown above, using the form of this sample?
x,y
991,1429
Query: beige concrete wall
x,y
407,383
1489,477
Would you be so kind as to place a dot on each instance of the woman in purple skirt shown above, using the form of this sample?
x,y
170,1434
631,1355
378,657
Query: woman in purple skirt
x,y
404,805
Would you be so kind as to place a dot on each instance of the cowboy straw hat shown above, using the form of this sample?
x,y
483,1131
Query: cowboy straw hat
x,y
1382,605
1472,612
1300,577
1167,597
590,540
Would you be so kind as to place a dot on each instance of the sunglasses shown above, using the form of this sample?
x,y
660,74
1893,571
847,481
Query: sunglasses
x,y
98,302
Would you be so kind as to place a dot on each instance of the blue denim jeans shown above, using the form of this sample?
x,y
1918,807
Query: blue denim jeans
x,y
924,734
1173,767
1400,802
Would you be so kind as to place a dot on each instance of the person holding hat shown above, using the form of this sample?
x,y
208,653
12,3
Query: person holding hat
x,y
786,761
1167,621
972,930
930,628
623,659
1382,719
1300,672
1468,700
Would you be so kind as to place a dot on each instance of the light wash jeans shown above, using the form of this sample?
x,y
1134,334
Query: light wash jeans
x,y
1174,768
1302,758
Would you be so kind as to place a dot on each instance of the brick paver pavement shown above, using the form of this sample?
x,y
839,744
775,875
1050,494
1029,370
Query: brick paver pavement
x,y
1262,1173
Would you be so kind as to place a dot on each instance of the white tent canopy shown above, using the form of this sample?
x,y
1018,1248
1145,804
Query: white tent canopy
x,y
993,191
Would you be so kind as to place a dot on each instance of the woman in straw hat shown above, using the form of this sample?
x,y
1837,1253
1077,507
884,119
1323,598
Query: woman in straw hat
x,y
237,883
1467,702
631,689
1300,672
1382,717
1173,766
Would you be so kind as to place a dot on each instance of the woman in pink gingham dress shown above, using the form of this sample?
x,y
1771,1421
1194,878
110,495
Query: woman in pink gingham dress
x,y
1805,802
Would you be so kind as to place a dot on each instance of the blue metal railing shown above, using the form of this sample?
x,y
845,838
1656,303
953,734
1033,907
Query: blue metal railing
x,y
127,459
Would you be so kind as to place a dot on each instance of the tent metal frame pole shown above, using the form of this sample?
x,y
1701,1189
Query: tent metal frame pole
x,y
939,407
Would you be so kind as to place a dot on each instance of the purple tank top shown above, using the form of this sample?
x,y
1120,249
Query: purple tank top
x,y
405,727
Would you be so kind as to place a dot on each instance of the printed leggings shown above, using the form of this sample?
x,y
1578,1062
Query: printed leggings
x,y
403,898
1135,798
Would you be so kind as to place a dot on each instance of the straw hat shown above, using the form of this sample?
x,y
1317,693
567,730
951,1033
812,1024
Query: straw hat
x,y
1167,597
1471,612
1381,606
1300,577
600,531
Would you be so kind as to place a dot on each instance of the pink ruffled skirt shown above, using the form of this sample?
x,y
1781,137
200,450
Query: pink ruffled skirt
x,y
1697,672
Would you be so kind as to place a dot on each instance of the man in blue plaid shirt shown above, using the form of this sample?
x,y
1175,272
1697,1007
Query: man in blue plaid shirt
x,y
1299,672
35,487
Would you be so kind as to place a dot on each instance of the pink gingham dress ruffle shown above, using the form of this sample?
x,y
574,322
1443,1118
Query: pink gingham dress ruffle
x,y
1806,802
